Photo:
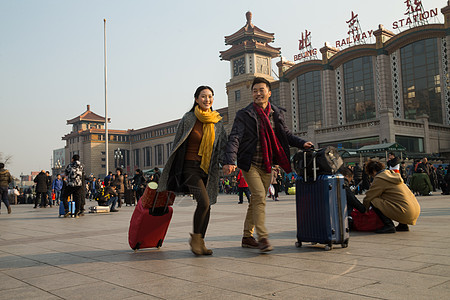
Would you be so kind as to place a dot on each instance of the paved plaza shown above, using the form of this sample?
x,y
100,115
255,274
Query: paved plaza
x,y
46,257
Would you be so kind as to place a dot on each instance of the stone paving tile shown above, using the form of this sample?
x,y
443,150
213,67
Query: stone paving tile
x,y
18,263
106,290
308,292
8,282
193,273
59,281
399,277
436,270
220,294
170,288
142,297
126,276
27,292
250,285
441,259
35,271
386,290
325,280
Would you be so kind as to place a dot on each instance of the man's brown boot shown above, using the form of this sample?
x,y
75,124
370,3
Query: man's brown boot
x,y
249,242
264,245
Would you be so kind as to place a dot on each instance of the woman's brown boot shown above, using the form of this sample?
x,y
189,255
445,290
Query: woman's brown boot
x,y
196,243
205,250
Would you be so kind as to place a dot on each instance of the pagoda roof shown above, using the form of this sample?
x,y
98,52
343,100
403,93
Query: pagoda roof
x,y
89,116
247,32
249,47
249,38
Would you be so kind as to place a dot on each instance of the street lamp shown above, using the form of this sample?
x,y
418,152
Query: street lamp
x,y
118,156
58,167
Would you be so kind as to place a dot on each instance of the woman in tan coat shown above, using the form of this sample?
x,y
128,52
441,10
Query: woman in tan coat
x,y
391,199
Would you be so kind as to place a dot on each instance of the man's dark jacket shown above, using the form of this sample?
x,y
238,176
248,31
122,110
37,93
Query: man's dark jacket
x,y
243,138
41,182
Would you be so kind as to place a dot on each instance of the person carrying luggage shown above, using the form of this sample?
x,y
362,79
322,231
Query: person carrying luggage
x,y
242,188
75,179
193,165
390,198
259,139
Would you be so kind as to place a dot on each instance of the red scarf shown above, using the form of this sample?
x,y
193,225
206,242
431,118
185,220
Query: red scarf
x,y
270,145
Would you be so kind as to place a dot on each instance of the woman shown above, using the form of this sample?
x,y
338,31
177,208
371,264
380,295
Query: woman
x,y
275,181
118,183
390,198
138,183
193,165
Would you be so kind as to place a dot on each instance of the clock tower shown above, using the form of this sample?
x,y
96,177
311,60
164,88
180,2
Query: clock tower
x,y
250,56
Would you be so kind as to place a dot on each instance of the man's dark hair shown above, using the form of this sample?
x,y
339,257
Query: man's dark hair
x,y
76,157
346,171
261,80
2,165
391,153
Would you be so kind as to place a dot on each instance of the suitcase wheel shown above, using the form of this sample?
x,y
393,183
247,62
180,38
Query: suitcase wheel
x,y
298,244
136,248
159,244
345,244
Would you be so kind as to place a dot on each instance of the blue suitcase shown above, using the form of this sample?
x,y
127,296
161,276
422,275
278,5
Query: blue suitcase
x,y
321,207
71,208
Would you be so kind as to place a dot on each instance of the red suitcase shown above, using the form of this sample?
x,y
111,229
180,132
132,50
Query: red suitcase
x,y
148,227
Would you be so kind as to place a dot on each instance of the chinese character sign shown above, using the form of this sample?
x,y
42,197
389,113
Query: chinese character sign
x,y
305,41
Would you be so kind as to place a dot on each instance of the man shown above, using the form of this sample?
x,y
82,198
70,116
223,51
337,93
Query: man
x,y
357,177
75,180
393,163
258,140
57,186
41,189
5,180
49,188
156,175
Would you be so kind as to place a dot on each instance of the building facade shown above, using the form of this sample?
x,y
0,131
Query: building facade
x,y
395,90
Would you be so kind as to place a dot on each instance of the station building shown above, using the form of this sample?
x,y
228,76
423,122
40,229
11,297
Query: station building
x,y
395,90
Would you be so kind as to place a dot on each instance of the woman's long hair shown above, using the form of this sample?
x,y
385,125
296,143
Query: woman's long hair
x,y
197,94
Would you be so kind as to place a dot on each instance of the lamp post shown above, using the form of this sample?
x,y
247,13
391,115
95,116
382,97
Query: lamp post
x,y
58,167
118,156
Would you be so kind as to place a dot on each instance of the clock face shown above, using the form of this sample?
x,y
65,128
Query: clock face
x,y
239,66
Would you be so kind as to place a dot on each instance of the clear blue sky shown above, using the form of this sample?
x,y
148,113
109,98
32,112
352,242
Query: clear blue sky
x,y
51,58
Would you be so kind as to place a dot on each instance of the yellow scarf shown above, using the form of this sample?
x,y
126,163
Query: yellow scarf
x,y
208,118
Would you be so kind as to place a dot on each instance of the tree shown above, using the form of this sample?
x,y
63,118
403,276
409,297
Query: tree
x,y
5,158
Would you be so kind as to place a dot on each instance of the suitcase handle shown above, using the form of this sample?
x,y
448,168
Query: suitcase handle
x,y
158,211
305,165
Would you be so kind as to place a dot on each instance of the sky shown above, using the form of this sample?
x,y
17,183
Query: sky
x,y
158,53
